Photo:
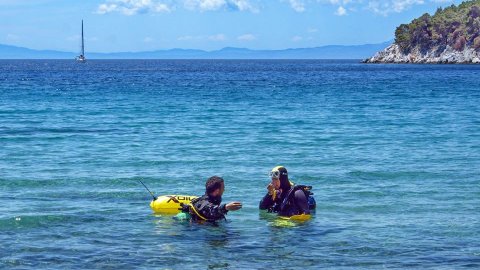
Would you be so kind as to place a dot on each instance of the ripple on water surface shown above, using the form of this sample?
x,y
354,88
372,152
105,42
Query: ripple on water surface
x,y
390,150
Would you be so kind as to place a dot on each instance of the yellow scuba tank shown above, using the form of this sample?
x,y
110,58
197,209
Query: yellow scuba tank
x,y
170,204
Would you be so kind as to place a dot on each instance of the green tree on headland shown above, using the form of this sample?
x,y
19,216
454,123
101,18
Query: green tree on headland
x,y
455,26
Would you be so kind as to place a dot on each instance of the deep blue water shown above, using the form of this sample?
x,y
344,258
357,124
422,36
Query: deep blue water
x,y
392,151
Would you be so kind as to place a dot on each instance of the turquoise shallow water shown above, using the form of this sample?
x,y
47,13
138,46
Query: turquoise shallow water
x,y
393,153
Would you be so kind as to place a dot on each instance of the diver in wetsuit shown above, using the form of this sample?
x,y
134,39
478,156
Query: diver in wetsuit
x,y
208,207
284,198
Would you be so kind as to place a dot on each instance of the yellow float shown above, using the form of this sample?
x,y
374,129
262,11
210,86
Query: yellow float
x,y
170,204
302,217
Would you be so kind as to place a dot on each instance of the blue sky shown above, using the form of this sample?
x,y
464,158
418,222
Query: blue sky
x,y
140,25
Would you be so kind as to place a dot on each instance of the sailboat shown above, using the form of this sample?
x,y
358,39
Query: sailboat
x,y
81,58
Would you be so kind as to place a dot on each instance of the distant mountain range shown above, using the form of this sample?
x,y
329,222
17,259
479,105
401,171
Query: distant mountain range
x,y
324,52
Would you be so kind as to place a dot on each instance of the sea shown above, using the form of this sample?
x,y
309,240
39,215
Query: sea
x,y
392,153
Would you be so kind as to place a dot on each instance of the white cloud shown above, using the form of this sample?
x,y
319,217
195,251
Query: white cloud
x,y
211,5
342,7
312,30
243,5
297,38
132,7
341,11
382,7
12,37
297,5
147,39
204,5
397,6
217,37
106,8
246,37
343,2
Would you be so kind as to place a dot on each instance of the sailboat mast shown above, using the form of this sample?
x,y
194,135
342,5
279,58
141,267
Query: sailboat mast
x,y
83,45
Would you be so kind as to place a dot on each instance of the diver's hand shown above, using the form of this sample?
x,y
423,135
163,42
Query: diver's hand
x,y
270,189
233,206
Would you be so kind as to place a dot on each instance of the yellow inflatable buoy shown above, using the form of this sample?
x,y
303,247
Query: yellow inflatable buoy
x,y
302,217
170,204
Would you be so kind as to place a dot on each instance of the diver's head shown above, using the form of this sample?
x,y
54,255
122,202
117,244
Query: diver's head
x,y
279,176
215,187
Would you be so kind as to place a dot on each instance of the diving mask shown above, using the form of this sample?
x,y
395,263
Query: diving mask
x,y
276,174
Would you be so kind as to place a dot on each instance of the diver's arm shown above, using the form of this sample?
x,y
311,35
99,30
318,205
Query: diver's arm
x,y
214,212
301,201
266,202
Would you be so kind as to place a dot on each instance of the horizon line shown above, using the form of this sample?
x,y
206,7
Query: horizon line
x,y
203,50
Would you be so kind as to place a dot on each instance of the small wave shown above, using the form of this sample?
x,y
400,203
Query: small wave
x,y
21,222
399,175
65,130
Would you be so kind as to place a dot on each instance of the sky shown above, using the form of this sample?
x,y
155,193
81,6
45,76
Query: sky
x,y
146,25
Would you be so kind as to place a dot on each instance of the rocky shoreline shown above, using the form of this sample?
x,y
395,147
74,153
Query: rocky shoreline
x,y
393,54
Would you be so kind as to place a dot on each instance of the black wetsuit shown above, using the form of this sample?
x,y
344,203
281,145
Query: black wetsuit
x,y
206,208
292,202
